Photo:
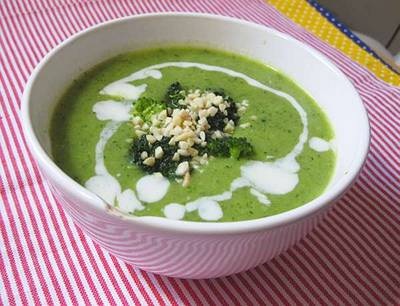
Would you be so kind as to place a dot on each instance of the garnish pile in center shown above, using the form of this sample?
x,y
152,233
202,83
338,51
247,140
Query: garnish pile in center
x,y
185,130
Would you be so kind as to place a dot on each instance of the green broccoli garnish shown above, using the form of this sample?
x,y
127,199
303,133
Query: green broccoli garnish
x,y
146,107
235,147
173,95
240,147
164,165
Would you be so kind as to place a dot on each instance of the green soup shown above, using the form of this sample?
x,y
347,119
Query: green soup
x,y
270,123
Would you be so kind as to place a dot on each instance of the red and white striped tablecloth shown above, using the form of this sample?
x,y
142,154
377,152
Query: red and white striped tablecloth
x,y
353,257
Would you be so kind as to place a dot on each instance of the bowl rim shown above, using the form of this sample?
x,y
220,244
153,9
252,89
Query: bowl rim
x,y
186,227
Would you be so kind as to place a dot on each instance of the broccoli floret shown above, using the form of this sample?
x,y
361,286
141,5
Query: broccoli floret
x,y
235,147
146,107
164,165
240,147
173,95
218,147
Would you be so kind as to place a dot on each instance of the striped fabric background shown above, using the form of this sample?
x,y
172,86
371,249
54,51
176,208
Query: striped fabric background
x,y
353,257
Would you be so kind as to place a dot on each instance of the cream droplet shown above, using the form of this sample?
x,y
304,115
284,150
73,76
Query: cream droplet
x,y
319,144
174,211
152,188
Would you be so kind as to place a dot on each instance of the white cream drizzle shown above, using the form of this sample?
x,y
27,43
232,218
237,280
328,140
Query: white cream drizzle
x,y
128,202
262,198
152,188
269,177
112,110
105,186
107,132
319,144
174,211
275,177
210,210
207,207
103,183
124,90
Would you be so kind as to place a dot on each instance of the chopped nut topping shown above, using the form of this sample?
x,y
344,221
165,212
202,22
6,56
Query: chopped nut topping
x,y
183,145
186,180
202,135
212,111
158,153
183,152
176,157
193,152
144,155
149,161
185,135
186,129
229,128
245,125
139,133
182,168
137,120
222,107
151,139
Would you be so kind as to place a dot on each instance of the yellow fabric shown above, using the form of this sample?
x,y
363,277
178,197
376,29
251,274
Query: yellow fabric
x,y
301,12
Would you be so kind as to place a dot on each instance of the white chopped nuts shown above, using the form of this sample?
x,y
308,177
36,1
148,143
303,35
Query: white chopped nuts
x,y
245,125
203,113
139,133
183,152
137,120
212,111
185,135
158,152
172,141
144,155
222,107
182,168
217,134
150,161
241,110
162,115
183,145
151,139
176,157
193,152
229,128
186,180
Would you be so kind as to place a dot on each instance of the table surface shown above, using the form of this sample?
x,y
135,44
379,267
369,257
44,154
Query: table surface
x,y
352,257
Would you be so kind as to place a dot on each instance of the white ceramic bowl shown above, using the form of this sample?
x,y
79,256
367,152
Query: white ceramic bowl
x,y
180,248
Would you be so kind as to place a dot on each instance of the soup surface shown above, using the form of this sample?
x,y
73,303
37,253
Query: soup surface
x,y
288,159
